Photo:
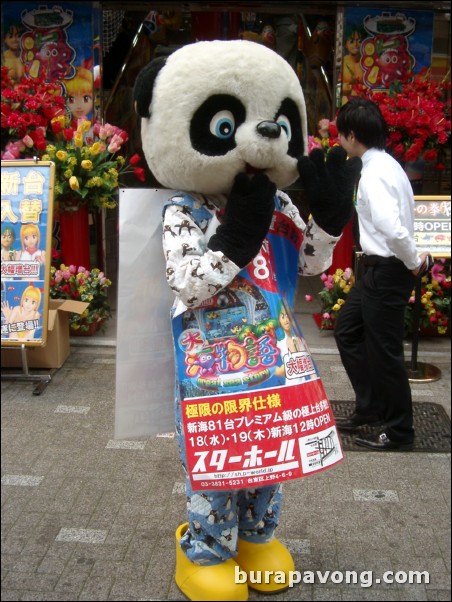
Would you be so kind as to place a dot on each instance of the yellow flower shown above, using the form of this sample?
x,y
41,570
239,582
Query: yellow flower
x,y
78,139
95,148
73,183
84,126
95,182
61,155
88,165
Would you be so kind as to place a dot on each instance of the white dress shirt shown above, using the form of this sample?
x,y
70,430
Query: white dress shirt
x,y
385,207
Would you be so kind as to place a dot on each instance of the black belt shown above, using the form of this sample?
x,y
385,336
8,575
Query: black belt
x,y
371,260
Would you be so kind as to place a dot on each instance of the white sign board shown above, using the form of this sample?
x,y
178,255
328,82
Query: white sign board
x,y
145,364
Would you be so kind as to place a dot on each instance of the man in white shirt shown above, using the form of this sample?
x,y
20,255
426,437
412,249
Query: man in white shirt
x,y
370,326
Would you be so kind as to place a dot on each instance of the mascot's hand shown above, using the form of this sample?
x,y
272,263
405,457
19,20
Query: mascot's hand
x,y
330,185
246,220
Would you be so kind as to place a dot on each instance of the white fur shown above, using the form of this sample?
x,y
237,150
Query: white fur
x,y
258,76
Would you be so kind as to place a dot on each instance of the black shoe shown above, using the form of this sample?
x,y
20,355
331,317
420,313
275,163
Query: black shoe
x,y
384,443
355,421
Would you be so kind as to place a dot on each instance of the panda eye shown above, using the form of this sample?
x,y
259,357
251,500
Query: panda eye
x,y
222,125
289,118
215,123
284,123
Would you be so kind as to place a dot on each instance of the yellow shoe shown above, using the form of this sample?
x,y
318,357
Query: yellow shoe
x,y
212,582
257,558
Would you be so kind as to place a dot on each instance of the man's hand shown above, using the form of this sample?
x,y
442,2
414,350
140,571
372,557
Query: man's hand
x,y
425,266
330,186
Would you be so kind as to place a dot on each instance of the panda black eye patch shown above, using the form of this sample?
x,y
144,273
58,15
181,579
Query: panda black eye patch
x,y
289,118
214,123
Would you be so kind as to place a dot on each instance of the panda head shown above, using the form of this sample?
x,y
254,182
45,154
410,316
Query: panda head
x,y
214,109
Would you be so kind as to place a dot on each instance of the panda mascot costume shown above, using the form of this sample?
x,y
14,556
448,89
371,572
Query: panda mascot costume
x,y
224,124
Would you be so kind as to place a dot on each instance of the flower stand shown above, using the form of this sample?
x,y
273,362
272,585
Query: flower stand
x,y
318,320
74,233
432,331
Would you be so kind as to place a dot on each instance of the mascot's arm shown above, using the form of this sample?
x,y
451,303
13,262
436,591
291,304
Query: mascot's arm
x,y
330,186
194,272
316,251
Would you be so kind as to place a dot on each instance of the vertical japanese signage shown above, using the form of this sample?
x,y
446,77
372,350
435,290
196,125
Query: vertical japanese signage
x,y
27,213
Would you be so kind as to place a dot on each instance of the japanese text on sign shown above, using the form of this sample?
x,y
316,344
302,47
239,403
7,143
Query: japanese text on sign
x,y
432,230
259,437
27,208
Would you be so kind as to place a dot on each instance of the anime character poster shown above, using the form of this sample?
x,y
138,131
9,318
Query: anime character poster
x,y
253,406
27,211
380,47
54,42
254,409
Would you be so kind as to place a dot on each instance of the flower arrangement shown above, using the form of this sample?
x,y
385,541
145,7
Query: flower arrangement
x,y
88,164
27,111
435,300
327,136
80,284
418,117
332,297
88,159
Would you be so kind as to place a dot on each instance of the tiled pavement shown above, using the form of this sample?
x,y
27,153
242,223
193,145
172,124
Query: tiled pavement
x,y
85,517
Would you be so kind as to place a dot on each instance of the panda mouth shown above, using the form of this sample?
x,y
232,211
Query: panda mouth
x,y
250,169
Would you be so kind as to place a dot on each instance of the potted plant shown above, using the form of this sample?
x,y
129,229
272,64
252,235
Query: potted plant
x,y
332,297
80,284
435,302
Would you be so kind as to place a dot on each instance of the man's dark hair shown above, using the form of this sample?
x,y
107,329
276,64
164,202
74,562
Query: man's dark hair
x,y
363,117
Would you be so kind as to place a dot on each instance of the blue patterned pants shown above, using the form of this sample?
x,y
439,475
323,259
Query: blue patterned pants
x,y
217,519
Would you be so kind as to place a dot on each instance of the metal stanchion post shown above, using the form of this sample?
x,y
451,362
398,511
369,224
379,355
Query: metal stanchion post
x,y
418,371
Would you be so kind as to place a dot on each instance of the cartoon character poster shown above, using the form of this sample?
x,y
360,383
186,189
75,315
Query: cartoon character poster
x,y
50,42
380,47
27,211
254,409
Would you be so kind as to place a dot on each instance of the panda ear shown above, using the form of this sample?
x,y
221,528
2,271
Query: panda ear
x,y
144,85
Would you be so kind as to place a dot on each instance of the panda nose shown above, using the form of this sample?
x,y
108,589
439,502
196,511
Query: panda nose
x,y
269,129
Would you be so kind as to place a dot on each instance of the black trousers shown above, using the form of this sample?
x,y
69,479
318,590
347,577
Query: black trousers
x,y
369,335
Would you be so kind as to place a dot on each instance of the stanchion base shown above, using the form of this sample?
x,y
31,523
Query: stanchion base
x,y
424,373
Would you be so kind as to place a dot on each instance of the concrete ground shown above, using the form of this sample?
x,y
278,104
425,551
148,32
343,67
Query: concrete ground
x,y
85,517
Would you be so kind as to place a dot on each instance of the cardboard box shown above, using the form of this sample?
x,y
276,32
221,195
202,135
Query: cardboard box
x,y
57,347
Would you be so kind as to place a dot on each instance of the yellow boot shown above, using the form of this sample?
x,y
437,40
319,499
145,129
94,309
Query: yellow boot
x,y
267,564
211,582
